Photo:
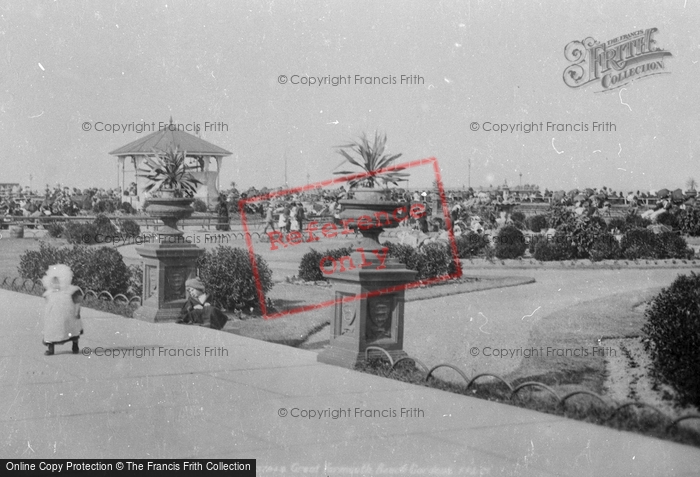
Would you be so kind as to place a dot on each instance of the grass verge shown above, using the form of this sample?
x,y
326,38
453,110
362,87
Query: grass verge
x,y
581,326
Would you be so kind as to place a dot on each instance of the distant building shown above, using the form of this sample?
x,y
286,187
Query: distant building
x,y
7,189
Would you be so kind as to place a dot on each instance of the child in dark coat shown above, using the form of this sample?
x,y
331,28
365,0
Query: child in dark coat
x,y
198,310
62,314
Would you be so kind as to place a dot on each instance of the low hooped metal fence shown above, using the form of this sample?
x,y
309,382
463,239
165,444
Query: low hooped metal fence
x,y
27,285
561,400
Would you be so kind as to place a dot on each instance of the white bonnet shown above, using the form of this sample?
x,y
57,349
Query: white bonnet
x,y
62,272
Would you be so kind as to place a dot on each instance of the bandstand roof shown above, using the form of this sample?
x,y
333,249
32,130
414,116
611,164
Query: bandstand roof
x,y
168,138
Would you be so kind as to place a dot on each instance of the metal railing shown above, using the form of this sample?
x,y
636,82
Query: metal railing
x,y
513,391
27,285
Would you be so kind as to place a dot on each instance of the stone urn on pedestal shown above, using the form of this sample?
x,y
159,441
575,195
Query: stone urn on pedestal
x,y
169,262
367,285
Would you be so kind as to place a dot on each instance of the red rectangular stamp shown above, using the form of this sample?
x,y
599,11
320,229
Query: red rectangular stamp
x,y
363,218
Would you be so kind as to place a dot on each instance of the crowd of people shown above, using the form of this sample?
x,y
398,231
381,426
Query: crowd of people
x,y
289,213
56,201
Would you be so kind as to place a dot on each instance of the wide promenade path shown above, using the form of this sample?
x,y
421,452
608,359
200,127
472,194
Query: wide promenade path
x,y
226,396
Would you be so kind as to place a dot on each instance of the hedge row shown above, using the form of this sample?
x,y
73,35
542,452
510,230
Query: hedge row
x,y
636,244
430,260
225,271
97,269
88,233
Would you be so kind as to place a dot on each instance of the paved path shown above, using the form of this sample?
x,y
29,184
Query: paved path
x,y
446,329
228,406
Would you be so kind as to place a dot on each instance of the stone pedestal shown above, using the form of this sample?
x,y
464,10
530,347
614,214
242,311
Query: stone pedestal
x,y
166,268
362,317
370,321
168,264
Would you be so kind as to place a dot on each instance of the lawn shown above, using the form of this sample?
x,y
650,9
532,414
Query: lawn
x,y
582,326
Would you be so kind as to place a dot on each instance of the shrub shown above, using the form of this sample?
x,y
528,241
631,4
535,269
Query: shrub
x,y
471,244
101,268
537,223
617,223
674,246
228,277
105,206
669,219
672,333
135,280
644,243
199,206
599,223
430,260
557,216
127,208
129,228
581,232
689,221
640,243
534,240
87,233
548,251
86,204
104,226
510,243
517,216
310,265
633,220
54,229
34,263
544,251
403,253
80,233
95,269
436,260
606,247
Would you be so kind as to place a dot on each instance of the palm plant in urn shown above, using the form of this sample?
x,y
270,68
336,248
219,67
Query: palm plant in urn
x,y
369,207
171,186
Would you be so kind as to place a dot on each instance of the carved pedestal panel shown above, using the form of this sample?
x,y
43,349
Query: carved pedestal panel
x,y
364,317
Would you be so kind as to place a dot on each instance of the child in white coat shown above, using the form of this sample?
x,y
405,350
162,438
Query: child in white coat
x,y
62,314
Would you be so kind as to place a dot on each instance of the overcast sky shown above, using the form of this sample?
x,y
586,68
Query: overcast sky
x,y
66,63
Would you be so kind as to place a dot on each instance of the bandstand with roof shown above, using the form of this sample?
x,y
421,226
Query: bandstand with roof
x,y
199,153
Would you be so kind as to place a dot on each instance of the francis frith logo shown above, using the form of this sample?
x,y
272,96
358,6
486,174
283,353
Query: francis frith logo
x,y
614,63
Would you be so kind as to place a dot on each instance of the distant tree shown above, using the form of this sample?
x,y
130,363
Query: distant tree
x,y
691,184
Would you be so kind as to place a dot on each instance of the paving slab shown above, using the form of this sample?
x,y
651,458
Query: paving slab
x,y
276,404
